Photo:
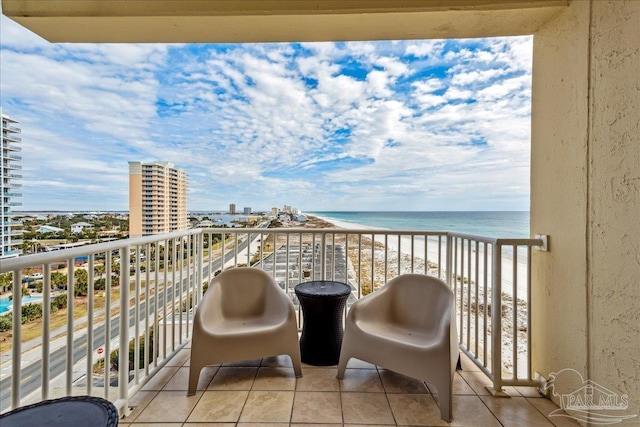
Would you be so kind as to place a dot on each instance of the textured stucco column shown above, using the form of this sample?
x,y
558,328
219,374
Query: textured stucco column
x,y
614,198
585,194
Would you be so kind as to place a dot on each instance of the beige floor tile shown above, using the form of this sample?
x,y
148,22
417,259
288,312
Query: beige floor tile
x,y
275,379
169,407
253,363
281,361
361,380
309,425
255,425
161,378
180,381
478,381
359,364
546,407
415,410
515,411
153,424
317,407
529,392
398,383
318,379
188,424
219,406
470,411
366,408
137,403
460,386
179,359
367,425
467,364
268,407
228,378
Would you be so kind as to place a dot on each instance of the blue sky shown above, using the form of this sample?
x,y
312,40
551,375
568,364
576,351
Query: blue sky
x,y
397,125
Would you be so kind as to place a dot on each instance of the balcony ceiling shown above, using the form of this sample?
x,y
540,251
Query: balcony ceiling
x,y
200,21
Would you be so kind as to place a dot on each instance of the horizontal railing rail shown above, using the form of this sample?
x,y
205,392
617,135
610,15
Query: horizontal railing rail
x,y
111,314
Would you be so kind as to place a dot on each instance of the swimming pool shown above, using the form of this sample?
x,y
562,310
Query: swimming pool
x,y
6,303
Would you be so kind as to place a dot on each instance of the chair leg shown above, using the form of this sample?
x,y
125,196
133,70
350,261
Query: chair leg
x,y
194,377
445,400
297,364
342,364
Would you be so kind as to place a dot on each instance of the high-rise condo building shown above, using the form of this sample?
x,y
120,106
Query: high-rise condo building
x,y
157,198
10,186
232,209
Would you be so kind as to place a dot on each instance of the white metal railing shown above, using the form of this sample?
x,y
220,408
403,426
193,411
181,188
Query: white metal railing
x,y
138,295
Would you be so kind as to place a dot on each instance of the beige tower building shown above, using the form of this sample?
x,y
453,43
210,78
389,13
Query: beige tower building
x,y
157,198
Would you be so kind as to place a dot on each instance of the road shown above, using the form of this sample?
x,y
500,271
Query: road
x,y
30,374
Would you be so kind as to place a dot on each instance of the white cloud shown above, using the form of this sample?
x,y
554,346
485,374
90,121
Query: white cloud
x,y
406,124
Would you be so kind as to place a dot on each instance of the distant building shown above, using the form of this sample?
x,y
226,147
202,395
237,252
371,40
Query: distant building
x,y
49,229
232,209
275,211
247,211
157,198
286,208
79,227
9,187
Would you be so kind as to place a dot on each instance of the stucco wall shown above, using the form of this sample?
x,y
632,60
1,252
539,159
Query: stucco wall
x,y
585,193
614,197
559,135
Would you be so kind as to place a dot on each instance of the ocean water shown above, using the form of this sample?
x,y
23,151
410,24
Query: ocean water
x,y
514,224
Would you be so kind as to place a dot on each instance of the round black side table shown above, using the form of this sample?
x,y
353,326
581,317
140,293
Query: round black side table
x,y
76,411
322,305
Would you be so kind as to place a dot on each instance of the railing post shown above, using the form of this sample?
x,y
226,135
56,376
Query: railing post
x,y
69,347
16,349
323,264
123,354
496,322
199,267
449,267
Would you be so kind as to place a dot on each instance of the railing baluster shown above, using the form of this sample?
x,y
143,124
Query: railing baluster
x,y
90,309
136,311
70,334
386,258
514,338
123,360
477,286
147,288
16,330
107,324
496,319
46,332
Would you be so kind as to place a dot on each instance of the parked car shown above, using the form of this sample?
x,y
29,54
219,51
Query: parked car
x,y
36,276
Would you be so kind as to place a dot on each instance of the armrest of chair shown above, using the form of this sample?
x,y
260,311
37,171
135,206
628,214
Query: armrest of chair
x,y
370,307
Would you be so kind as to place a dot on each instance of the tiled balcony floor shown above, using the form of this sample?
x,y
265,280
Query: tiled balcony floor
x,y
266,393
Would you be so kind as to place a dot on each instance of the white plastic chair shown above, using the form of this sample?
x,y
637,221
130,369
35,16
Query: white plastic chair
x,y
408,326
243,315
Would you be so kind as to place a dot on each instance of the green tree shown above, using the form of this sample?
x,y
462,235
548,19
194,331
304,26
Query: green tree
x,y
99,269
58,279
59,302
6,281
80,288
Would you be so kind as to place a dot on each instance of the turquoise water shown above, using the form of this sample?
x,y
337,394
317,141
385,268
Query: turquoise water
x,y
513,224
5,302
